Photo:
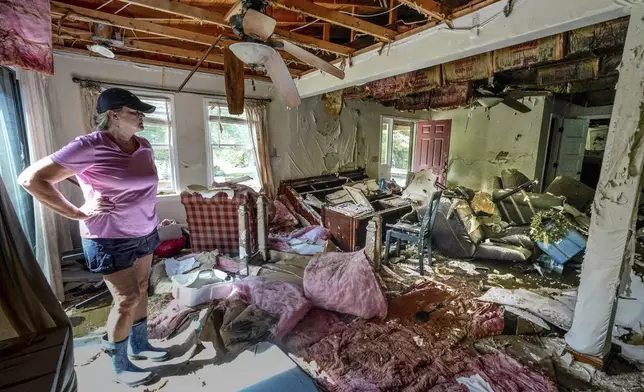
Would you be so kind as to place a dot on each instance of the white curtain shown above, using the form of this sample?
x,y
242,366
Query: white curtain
x,y
258,124
89,95
53,234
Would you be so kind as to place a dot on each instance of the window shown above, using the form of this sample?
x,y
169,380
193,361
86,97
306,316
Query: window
x,y
158,131
231,154
396,149
14,154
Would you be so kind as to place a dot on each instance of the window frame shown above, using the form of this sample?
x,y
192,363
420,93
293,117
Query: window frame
x,y
209,144
172,137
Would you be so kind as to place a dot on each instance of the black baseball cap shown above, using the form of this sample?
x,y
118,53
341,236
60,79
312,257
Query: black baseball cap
x,y
115,98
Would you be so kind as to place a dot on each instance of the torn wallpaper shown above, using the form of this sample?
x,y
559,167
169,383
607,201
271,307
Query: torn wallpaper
x,y
25,33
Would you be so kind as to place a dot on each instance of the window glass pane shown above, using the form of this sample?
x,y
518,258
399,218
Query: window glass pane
x,y
14,156
384,143
155,133
161,111
229,134
214,110
164,167
401,136
234,162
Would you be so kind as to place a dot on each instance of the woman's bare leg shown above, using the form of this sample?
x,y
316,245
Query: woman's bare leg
x,y
127,295
141,271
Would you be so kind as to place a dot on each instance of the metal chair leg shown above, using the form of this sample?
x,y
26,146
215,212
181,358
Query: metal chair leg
x,y
421,248
398,241
387,245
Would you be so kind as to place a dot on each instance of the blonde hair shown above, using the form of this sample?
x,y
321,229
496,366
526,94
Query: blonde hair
x,y
101,121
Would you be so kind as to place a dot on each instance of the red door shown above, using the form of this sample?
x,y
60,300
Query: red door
x,y
432,147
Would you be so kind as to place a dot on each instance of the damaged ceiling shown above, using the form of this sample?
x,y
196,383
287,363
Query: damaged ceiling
x,y
177,33
580,66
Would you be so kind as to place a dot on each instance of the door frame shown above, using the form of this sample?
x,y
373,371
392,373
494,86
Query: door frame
x,y
412,141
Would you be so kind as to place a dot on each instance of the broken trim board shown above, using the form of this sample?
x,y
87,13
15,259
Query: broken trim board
x,y
550,310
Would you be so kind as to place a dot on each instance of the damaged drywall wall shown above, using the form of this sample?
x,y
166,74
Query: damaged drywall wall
x,y
610,249
484,142
312,142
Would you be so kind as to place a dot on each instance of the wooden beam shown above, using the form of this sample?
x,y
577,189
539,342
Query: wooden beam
x,y
326,32
313,10
160,63
166,50
393,15
185,10
203,15
88,15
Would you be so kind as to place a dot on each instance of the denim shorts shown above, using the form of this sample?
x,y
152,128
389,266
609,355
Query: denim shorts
x,y
108,255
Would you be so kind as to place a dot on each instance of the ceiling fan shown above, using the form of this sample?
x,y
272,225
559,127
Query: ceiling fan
x,y
492,94
260,52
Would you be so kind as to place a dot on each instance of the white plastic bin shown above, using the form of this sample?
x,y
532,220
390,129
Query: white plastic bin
x,y
192,297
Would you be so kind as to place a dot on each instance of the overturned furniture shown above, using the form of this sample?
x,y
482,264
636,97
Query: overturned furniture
x,y
344,203
302,193
348,221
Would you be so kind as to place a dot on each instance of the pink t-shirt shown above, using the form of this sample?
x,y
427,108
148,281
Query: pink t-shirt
x,y
128,180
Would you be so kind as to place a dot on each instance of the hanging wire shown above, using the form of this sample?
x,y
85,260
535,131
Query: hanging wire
x,y
306,25
104,4
372,15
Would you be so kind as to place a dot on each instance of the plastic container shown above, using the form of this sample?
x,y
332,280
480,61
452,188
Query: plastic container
x,y
192,297
569,246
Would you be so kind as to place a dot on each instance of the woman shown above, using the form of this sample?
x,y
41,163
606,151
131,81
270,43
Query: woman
x,y
118,221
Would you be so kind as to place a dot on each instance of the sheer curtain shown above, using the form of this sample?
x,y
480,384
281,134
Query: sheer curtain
x,y
258,124
52,232
89,95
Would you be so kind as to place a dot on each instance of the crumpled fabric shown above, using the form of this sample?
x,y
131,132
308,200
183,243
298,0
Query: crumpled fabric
x,y
171,319
25,33
283,219
279,299
305,241
233,326
344,283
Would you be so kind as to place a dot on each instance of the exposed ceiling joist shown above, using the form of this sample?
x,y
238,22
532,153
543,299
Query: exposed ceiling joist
x,y
429,8
160,63
203,15
88,15
308,8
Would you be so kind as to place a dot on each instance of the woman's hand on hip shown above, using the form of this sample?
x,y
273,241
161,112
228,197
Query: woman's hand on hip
x,y
96,205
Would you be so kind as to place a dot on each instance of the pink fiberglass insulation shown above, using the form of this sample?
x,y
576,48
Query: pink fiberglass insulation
x,y
283,300
25,35
344,283
317,324
422,346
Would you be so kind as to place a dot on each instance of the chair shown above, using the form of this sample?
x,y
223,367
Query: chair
x,y
420,234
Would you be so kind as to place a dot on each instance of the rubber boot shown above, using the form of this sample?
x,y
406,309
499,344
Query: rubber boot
x,y
140,347
126,372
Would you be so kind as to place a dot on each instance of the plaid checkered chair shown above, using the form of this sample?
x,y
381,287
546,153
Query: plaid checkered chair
x,y
214,221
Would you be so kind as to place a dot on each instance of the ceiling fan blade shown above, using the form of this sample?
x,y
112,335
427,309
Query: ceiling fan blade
x,y
311,59
258,24
234,78
281,77
516,105
235,9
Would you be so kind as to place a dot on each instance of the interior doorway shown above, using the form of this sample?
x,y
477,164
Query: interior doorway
x,y
396,149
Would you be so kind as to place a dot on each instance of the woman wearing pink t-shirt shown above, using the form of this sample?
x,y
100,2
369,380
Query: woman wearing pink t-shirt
x,y
116,171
